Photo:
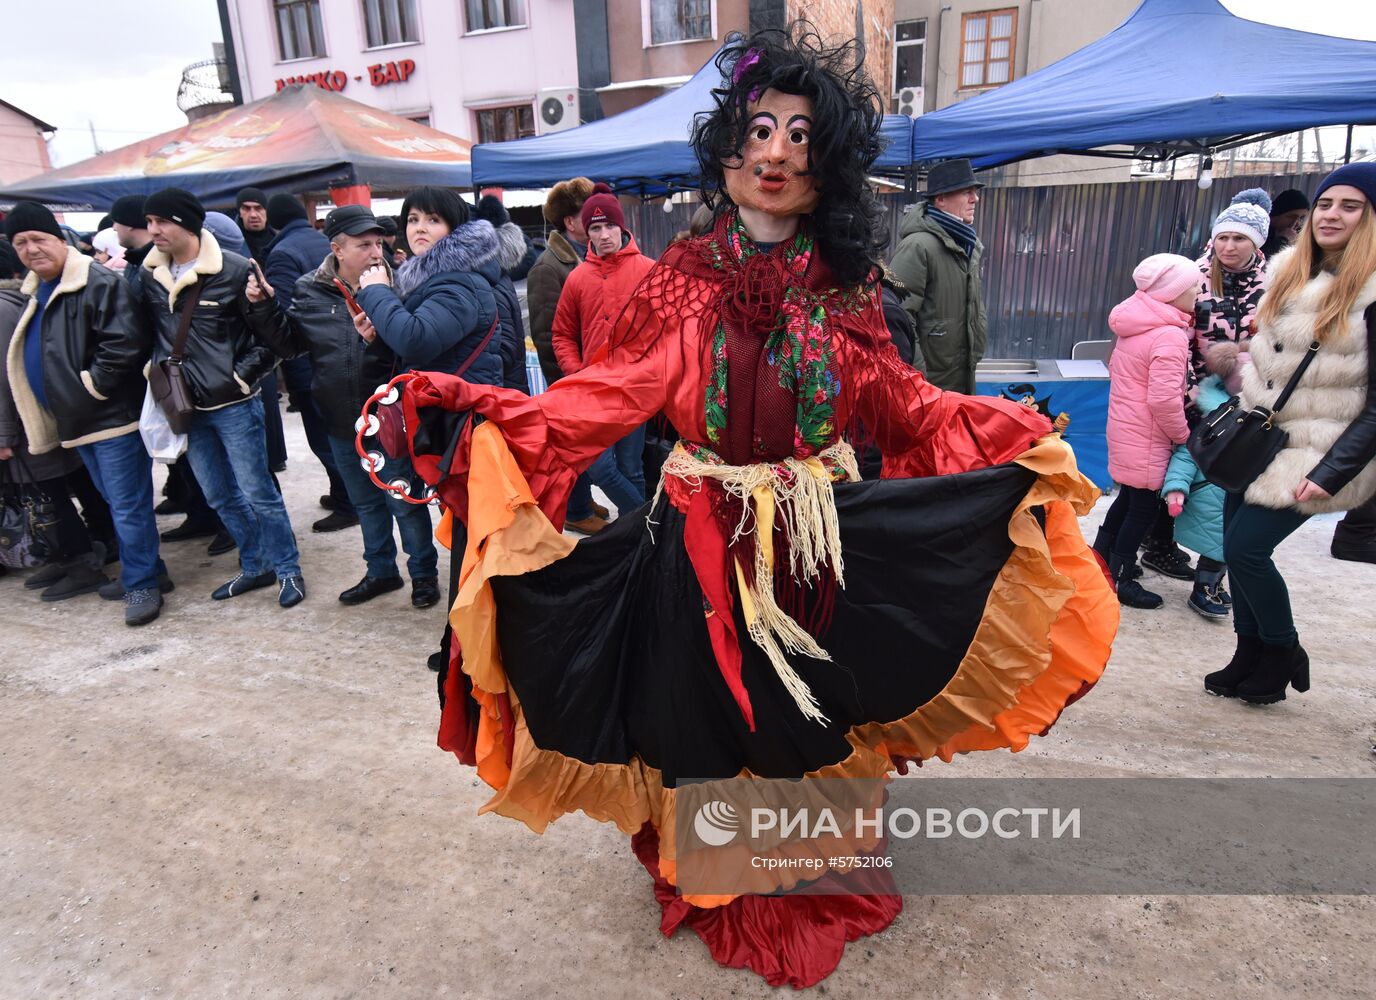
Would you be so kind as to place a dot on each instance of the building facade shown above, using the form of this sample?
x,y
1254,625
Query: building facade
x,y
481,70
24,139
946,51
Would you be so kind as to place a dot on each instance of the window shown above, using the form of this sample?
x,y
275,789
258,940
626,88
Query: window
x,y
299,33
390,22
909,54
986,53
484,15
500,124
678,21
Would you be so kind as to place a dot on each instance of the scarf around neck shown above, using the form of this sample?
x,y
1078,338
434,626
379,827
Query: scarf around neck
x,y
962,232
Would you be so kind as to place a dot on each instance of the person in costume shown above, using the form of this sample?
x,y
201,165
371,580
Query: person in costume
x,y
767,614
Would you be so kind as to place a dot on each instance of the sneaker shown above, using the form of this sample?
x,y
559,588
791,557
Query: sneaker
x,y
335,521
45,576
242,584
425,592
142,606
220,544
114,590
1171,562
586,526
291,591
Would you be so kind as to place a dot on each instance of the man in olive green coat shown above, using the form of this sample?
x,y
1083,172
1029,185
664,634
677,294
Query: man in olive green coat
x,y
938,262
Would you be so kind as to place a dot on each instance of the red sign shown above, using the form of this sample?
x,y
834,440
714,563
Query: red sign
x,y
379,75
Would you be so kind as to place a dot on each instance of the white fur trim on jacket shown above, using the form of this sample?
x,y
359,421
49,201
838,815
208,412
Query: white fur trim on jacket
x,y
40,426
208,261
1329,397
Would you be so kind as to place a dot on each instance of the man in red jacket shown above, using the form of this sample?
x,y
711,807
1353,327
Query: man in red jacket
x,y
593,297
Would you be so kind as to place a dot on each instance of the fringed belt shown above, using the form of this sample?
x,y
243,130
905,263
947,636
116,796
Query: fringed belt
x,y
796,495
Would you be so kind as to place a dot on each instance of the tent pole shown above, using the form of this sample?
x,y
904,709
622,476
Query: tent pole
x,y
1347,153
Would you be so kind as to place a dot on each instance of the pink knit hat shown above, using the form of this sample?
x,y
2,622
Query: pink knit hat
x,y
1165,276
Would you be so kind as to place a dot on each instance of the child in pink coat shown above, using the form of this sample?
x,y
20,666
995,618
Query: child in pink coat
x,y
1146,408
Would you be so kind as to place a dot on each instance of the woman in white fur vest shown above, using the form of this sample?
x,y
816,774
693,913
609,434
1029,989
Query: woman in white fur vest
x,y
1322,290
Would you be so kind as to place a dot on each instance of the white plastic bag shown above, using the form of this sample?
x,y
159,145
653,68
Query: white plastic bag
x,y
163,443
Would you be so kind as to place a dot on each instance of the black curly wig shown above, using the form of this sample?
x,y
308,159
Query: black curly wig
x,y
844,142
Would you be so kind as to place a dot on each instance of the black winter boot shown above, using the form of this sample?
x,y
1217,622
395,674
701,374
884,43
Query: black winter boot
x,y
1278,667
1130,592
1103,544
1224,682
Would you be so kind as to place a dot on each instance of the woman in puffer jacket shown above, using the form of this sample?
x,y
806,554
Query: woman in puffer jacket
x,y
1321,297
442,309
1146,409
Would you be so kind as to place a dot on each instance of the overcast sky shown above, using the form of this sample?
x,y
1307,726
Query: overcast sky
x,y
116,65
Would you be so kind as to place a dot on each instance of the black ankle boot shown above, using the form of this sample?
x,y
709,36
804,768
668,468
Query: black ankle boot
x,y
1224,682
1277,667
1130,592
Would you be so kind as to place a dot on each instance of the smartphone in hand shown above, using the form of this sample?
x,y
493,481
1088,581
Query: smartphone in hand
x,y
354,308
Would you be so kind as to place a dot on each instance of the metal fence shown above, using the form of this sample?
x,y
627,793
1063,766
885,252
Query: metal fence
x,y
1057,258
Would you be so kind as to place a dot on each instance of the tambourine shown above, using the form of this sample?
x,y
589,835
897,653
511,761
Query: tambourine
x,y
369,425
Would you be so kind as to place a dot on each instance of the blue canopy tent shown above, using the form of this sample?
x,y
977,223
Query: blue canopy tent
x,y
642,151
1178,77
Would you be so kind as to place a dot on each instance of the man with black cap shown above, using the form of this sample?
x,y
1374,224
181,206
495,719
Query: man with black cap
x,y
75,363
297,249
938,263
126,218
224,358
347,370
1289,209
252,205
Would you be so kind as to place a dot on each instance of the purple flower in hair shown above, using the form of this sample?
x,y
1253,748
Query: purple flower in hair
x,y
744,65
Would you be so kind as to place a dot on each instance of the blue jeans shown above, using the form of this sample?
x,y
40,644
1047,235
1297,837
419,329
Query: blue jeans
x,y
377,508
580,499
620,472
226,448
1261,601
123,472
298,373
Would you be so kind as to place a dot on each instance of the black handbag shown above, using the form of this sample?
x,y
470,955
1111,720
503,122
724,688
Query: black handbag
x,y
1233,446
28,521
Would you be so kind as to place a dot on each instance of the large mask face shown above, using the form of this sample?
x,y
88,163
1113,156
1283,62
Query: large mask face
x,y
771,175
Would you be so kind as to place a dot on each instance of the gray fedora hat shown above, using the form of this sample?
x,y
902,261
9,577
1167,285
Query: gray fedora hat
x,y
950,175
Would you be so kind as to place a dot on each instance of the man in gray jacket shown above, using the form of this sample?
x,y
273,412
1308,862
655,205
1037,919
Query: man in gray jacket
x,y
938,263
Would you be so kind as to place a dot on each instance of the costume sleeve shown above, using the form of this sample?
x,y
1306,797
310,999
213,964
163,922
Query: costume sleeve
x,y
553,436
565,336
925,431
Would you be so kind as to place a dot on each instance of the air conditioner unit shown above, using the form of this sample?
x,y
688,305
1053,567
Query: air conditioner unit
x,y
909,101
556,110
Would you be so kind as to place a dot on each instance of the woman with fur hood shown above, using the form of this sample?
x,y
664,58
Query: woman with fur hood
x,y
1146,409
1322,297
442,308
513,254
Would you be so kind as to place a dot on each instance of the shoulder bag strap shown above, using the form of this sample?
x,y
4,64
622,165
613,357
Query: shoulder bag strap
x,y
184,326
479,349
1284,396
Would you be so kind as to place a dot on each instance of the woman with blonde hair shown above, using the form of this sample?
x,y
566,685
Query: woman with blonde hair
x,y
1321,298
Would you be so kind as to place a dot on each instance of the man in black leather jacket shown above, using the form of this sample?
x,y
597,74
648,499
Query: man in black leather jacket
x,y
74,368
225,358
346,371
